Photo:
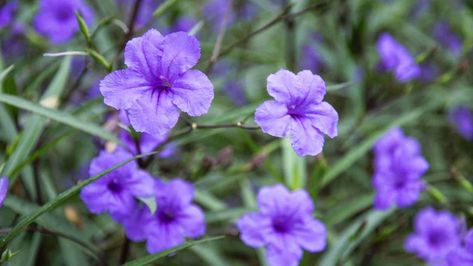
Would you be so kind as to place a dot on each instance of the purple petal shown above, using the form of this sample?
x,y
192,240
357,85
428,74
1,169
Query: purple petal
x,y
253,227
193,93
162,237
122,88
271,198
136,222
178,190
3,189
283,257
180,53
323,117
313,85
311,235
193,222
141,184
142,53
154,114
282,85
96,197
273,118
305,139
106,160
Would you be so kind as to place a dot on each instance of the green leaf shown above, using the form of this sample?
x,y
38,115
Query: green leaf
x,y
83,28
147,260
295,173
163,8
59,116
100,59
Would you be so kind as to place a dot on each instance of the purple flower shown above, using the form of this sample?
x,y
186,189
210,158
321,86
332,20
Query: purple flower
x,y
462,255
116,191
145,13
6,13
462,118
176,217
399,166
56,19
310,58
436,234
396,58
183,24
158,82
3,189
235,92
284,225
219,13
298,111
135,222
447,38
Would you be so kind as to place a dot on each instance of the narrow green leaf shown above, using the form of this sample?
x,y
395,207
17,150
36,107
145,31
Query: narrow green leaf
x,y
163,8
295,173
100,59
83,28
59,116
147,260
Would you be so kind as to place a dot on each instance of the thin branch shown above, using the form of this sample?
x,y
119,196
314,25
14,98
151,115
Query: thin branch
x,y
218,42
131,23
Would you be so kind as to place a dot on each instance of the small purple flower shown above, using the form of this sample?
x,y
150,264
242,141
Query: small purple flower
x,y
298,111
235,92
176,217
462,255
158,82
116,191
3,189
396,58
6,13
447,38
436,234
399,166
182,24
462,118
219,13
57,21
310,58
284,225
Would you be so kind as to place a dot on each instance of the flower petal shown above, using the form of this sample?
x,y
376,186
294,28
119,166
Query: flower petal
x,y
176,190
311,235
253,228
154,114
271,199
122,87
323,117
283,257
163,236
140,184
3,189
305,139
273,118
192,221
96,197
282,85
313,85
180,53
142,54
193,93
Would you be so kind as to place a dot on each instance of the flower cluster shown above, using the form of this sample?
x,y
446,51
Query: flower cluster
x,y
399,166
396,58
284,225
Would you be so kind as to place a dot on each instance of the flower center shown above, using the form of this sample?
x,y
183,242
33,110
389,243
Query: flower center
x,y
436,238
166,215
293,110
400,183
63,14
280,224
114,186
162,83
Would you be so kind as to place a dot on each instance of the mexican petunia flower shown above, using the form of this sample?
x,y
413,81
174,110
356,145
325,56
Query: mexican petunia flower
x,y
3,189
57,21
396,58
462,118
158,82
399,166
284,225
6,13
176,217
298,111
436,234
116,191
462,255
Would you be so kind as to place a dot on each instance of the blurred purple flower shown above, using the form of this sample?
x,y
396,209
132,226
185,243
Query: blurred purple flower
x,y
310,58
158,82
298,111
399,166
429,72
447,38
235,92
218,13
6,13
116,191
396,58
182,24
436,234
145,13
462,255
175,218
420,7
284,225
56,19
3,189
462,119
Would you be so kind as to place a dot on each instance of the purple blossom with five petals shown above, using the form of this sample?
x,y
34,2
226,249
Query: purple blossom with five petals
x,y
158,82
284,225
399,166
436,234
298,111
3,189
175,219
462,255
57,21
396,58
462,119
116,191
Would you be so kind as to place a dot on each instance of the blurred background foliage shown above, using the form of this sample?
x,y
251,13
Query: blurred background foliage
x,y
228,165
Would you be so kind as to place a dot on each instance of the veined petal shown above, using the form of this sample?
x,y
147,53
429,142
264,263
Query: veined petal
x,y
180,53
283,85
3,189
163,236
285,256
323,117
313,85
272,199
306,139
253,228
192,221
311,235
273,118
143,54
140,184
193,93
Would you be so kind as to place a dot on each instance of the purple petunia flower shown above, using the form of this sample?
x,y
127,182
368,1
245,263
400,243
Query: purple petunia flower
x,y
158,82
396,58
447,38
298,111
284,225
462,255
3,189
399,166
6,13
462,118
57,21
219,13
116,191
175,219
436,234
